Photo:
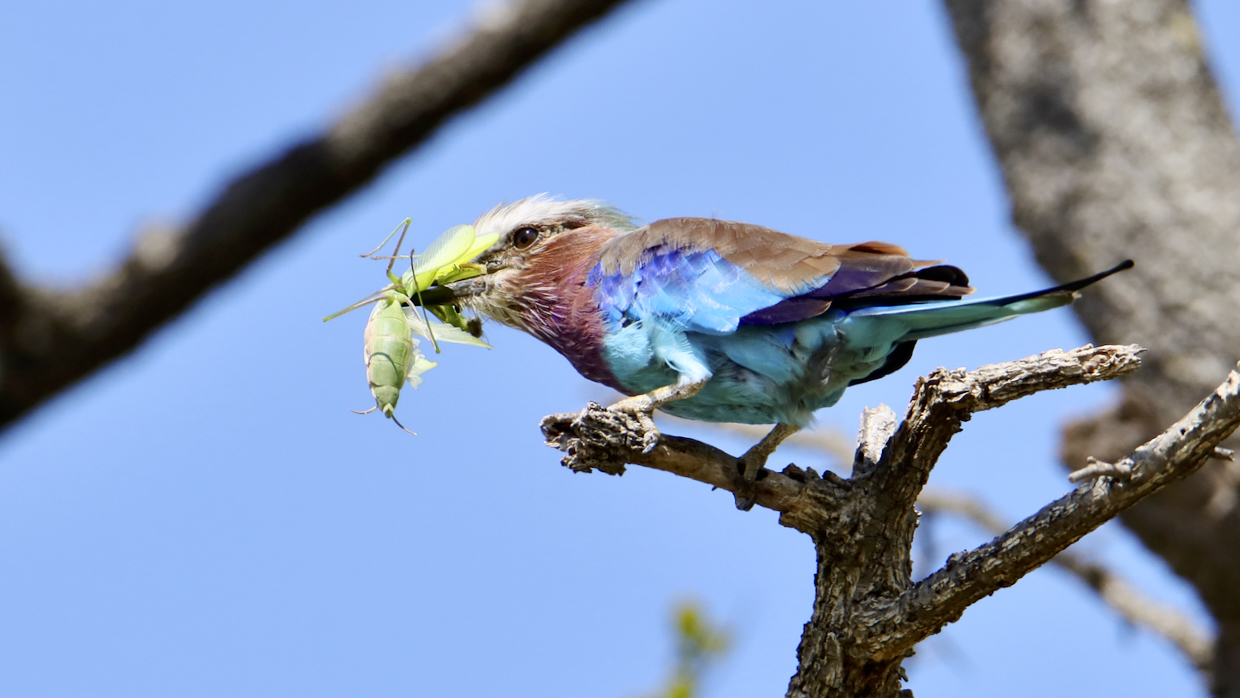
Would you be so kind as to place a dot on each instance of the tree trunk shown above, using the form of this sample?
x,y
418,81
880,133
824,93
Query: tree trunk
x,y
1114,142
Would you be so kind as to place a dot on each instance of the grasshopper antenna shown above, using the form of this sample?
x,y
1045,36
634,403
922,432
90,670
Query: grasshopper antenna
x,y
367,301
402,227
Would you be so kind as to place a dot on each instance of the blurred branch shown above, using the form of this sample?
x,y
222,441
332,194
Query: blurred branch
x,y
12,300
51,339
1133,606
826,440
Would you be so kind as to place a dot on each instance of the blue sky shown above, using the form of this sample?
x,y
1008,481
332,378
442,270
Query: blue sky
x,y
206,518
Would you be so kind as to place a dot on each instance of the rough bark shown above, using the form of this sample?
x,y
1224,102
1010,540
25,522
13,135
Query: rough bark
x,y
52,338
868,613
1135,607
1115,142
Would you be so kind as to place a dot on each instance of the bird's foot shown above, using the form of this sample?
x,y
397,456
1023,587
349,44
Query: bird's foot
x,y
641,407
750,467
750,464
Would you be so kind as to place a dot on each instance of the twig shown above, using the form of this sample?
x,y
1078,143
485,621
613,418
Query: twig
x,y
77,332
1095,469
1133,606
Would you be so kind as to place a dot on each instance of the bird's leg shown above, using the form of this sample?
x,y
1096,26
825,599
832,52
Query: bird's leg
x,y
756,457
643,406
653,400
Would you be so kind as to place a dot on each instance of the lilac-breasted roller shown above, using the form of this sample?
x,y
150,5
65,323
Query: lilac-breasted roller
x,y
714,320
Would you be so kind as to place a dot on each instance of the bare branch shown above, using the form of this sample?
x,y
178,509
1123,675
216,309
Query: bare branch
x,y
1133,606
943,401
969,577
48,341
946,399
601,439
877,427
598,438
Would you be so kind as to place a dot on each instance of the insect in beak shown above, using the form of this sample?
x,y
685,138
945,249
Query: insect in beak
x,y
452,292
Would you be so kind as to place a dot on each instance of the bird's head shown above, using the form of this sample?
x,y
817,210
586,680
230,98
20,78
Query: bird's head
x,y
543,243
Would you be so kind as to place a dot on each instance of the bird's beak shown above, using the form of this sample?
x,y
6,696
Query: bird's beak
x,y
450,294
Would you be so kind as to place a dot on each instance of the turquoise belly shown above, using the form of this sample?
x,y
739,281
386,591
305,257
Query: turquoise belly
x,y
759,374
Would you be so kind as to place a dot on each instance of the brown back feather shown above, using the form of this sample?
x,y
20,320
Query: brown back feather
x,y
791,264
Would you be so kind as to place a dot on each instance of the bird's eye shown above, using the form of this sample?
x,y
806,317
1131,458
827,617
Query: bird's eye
x,y
522,238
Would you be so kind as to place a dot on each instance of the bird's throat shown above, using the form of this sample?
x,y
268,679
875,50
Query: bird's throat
x,y
550,299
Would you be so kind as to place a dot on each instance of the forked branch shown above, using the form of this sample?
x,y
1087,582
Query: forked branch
x,y
868,613
969,577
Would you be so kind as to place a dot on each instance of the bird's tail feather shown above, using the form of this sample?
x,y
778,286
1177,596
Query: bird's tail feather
x,y
922,320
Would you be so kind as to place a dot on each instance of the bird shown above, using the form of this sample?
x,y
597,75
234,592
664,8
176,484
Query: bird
x,y
715,320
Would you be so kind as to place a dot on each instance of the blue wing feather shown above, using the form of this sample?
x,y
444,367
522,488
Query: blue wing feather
x,y
698,290
751,310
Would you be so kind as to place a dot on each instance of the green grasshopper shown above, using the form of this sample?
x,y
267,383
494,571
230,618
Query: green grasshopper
x,y
391,354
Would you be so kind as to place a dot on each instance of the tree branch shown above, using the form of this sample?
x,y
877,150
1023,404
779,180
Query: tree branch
x,y
868,614
942,597
48,341
1193,641
946,399
598,438
12,305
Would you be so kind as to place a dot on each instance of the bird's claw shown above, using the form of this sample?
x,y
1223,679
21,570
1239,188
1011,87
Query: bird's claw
x,y
751,463
745,498
640,408
750,467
